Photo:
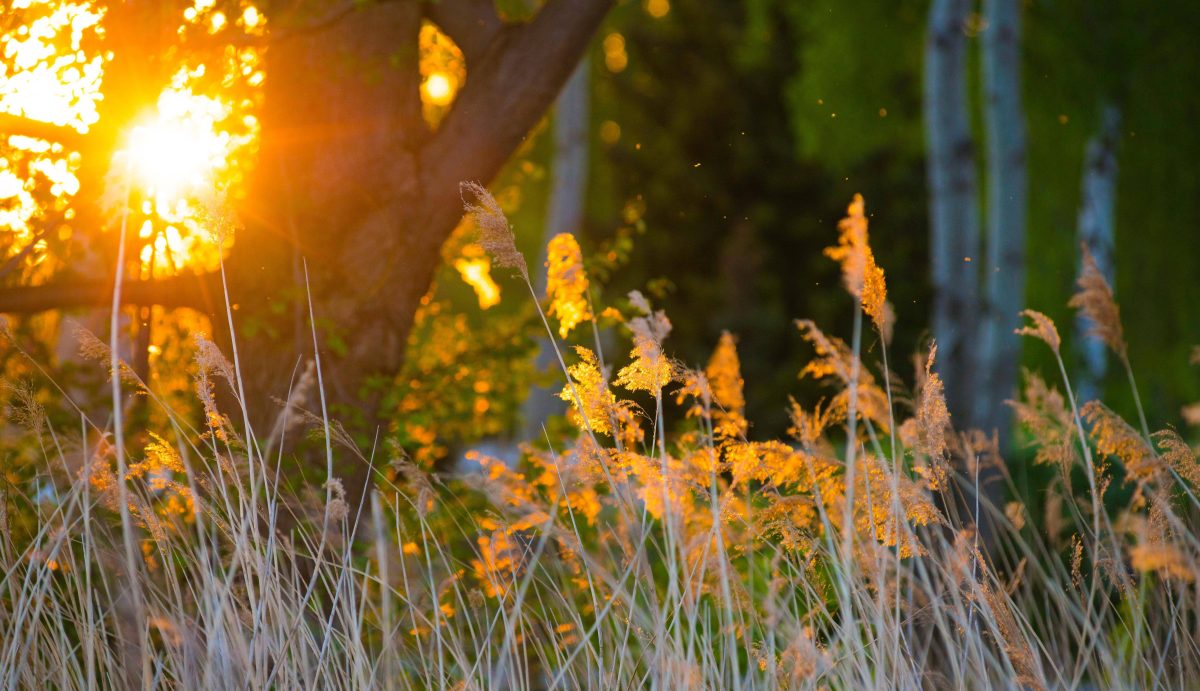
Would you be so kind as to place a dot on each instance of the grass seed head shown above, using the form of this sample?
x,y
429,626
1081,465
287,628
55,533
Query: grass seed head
x,y
495,234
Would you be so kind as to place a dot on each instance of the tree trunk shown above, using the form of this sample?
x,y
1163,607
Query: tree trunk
x,y
367,193
953,210
350,179
1096,229
564,214
339,187
999,347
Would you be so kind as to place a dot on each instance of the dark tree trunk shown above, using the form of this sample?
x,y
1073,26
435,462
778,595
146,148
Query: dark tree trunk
x,y
339,190
362,191
353,182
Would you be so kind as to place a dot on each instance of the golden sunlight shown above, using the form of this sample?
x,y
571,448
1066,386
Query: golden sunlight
x,y
439,88
45,74
180,147
476,271
174,157
169,157
443,72
193,144
191,149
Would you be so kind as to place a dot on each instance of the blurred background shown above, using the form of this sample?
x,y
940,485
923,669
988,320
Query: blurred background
x,y
702,152
725,140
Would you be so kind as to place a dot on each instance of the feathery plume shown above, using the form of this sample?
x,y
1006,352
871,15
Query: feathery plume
x,y
724,375
1095,300
1043,328
1114,437
933,419
92,348
337,507
1178,455
597,400
835,360
861,275
495,234
25,410
210,361
639,301
650,370
1043,411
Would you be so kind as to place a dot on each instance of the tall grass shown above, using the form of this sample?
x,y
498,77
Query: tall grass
x,y
634,555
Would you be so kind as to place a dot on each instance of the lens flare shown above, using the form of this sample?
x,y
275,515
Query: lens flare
x,y
440,88
178,148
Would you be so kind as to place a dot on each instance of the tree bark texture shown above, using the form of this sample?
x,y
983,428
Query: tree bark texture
x,y
1096,228
564,214
999,348
953,210
350,179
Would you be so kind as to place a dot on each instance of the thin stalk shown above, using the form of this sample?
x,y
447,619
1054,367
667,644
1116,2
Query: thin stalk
x,y
131,568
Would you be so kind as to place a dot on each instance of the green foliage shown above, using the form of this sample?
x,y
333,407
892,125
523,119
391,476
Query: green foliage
x,y
735,207
857,89
1081,56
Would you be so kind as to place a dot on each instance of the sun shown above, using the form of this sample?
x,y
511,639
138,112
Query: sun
x,y
178,148
440,88
167,158
177,160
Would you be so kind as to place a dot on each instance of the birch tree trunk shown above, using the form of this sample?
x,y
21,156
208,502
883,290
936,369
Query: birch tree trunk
x,y
999,349
953,210
1096,230
564,214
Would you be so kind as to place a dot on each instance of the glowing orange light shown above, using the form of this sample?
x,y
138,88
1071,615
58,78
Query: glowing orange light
x,y
440,88
251,17
476,272
615,57
658,8
178,148
168,157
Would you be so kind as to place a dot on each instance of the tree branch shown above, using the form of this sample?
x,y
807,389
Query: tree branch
x,y
284,29
473,24
506,93
14,262
28,127
200,292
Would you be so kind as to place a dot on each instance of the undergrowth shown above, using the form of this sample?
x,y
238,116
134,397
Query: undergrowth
x,y
861,552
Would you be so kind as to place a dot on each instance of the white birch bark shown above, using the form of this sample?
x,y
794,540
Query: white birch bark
x,y
564,214
953,209
999,349
1095,226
